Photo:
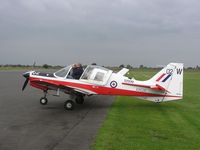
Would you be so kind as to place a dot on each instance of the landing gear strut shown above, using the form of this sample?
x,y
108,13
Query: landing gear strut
x,y
44,100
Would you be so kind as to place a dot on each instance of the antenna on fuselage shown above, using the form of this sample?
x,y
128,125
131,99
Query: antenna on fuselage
x,y
33,66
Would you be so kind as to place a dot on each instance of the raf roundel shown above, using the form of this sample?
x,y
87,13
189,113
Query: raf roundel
x,y
113,84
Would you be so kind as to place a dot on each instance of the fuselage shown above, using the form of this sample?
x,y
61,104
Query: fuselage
x,y
114,84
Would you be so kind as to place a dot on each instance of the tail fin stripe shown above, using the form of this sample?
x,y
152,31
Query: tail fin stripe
x,y
160,77
166,78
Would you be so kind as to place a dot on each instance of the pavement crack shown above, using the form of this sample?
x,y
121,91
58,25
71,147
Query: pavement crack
x,y
71,129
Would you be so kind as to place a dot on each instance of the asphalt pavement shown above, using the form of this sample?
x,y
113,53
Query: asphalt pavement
x,y
25,124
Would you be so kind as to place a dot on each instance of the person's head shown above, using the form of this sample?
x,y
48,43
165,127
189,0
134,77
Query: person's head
x,y
78,65
74,66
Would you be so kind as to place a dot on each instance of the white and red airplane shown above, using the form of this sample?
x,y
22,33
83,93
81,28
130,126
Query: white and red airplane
x,y
166,85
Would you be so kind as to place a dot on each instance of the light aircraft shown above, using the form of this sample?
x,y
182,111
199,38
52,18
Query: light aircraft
x,y
166,85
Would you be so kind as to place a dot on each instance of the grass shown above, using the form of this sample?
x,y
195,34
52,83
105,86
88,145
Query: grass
x,y
15,68
9,68
135,124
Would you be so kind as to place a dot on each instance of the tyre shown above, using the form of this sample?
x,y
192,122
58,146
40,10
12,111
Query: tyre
x,y
79,100
69,105
43,101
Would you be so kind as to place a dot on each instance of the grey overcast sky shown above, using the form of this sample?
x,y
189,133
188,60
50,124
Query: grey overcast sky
x,y
108,32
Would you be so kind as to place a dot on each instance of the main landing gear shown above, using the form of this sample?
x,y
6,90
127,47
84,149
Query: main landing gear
x,y
69,104
79,99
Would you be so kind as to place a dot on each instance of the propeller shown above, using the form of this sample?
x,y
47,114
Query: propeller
x,y
26,75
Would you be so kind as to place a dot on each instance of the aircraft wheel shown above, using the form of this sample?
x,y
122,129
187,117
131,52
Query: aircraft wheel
x,y
79,99
69,105
43,101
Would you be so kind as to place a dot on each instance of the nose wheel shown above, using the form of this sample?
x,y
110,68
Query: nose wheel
x,y
43,101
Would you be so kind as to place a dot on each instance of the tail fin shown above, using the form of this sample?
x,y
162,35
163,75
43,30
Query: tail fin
x,y
170,78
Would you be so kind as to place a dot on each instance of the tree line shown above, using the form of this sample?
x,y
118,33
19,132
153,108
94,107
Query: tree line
x,y
47,66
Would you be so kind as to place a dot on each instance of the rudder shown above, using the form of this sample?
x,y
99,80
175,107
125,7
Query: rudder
x,y
171,79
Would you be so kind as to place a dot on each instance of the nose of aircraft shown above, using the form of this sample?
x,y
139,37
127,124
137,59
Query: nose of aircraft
x,y
26,75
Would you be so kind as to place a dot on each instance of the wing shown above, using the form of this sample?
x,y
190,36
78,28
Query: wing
x,y
52,85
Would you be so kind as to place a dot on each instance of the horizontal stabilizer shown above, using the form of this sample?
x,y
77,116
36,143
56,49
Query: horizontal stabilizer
x,y
153,87
158,88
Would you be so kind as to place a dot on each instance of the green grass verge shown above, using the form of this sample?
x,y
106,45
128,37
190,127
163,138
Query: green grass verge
x,y
16,68
27,69
135,124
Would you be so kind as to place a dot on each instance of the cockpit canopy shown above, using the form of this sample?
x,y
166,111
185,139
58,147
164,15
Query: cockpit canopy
x,y
96,74
92,74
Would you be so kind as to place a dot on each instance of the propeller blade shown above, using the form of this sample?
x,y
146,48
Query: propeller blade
x,y
25,84
26,75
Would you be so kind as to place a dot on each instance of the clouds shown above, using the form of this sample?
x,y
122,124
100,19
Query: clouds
x,y
99,25
136,14
122,12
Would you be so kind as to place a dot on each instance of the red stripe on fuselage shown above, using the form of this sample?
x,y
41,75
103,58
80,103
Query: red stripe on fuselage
x,y
102,90
44,88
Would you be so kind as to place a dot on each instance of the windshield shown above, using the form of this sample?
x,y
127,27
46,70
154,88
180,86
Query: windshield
x,y
63,72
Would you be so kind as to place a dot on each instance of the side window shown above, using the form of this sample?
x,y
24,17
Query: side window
x,y
96,75
87,74
99,76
